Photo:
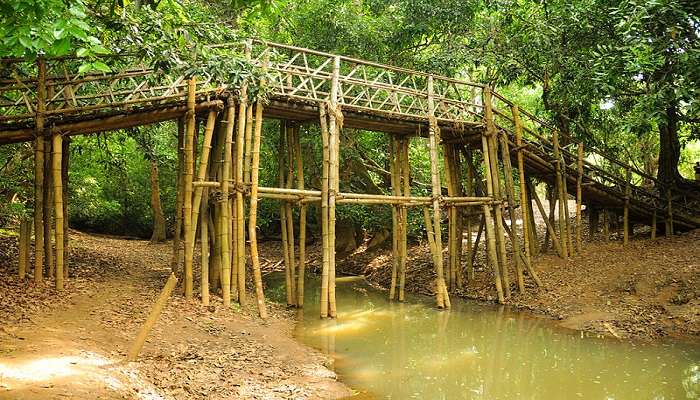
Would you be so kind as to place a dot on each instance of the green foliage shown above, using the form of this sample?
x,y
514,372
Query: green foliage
x,y
51,27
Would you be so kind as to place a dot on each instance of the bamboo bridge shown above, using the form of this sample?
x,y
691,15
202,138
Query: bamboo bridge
x,y
47,100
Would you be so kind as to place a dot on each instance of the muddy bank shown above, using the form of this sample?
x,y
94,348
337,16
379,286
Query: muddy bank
x,y
648,290
194,352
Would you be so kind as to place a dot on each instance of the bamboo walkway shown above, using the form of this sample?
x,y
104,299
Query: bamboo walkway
x,y
50,99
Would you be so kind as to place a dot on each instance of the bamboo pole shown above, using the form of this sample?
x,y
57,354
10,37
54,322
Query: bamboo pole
x,y
324,211
510,196
253,212
174,265
442,296
290,215
547,221
58,212
524,207
491,243
39,174
244,110
579,198
302,219
395,190
24,233
201,176
233,226
282,157
334,121
248,129
491,251
470,192
48,209
534,240
626,215
406,191
449,170
435,253
567,225
560,191
188,172
204,244
158,306
65,163
224,224
492,147
653,225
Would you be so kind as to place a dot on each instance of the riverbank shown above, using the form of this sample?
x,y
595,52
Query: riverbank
x,y
73,344
647,290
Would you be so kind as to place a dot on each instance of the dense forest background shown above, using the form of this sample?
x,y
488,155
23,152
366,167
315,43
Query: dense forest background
x,y
621,76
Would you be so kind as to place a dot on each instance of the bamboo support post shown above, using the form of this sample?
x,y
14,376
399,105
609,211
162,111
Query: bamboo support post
x,y
468,218
525,207
491,148
653,225
302,219
579,198
158,306
406,192
58,212
253,212
626,212
567,218
442,296
204,239
395,190
39,173
201,176
290,215
334,122
510,196
560,193
25,229
188,173
491,251
282,157
244,119
394,219
65,163
49,206
248,127
224,216
550,227
179,194
534,240
324,210
451,275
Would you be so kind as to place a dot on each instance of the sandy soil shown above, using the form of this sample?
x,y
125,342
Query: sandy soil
x,y
73,345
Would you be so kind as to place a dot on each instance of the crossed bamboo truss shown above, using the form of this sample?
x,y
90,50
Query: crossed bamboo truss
x,y
486,147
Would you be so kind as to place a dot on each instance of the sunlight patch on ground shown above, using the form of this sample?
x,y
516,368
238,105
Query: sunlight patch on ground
x,y
85,369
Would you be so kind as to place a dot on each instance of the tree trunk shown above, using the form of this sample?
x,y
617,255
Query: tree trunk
x,y
669,149
158,217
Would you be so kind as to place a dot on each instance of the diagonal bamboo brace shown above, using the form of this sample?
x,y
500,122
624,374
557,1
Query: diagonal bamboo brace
x,y
152,318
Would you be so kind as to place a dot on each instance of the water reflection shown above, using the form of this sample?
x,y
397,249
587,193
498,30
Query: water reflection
x,y
411,350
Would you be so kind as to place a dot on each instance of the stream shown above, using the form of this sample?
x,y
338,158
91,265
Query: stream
x,y
391,350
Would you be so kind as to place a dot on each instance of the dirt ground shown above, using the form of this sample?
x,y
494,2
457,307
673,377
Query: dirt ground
x,y
647,290
73,345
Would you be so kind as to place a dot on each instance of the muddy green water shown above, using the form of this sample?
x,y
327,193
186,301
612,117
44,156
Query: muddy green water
x,y
387,350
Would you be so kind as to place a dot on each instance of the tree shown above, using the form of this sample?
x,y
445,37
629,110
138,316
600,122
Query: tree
x,y
652,71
